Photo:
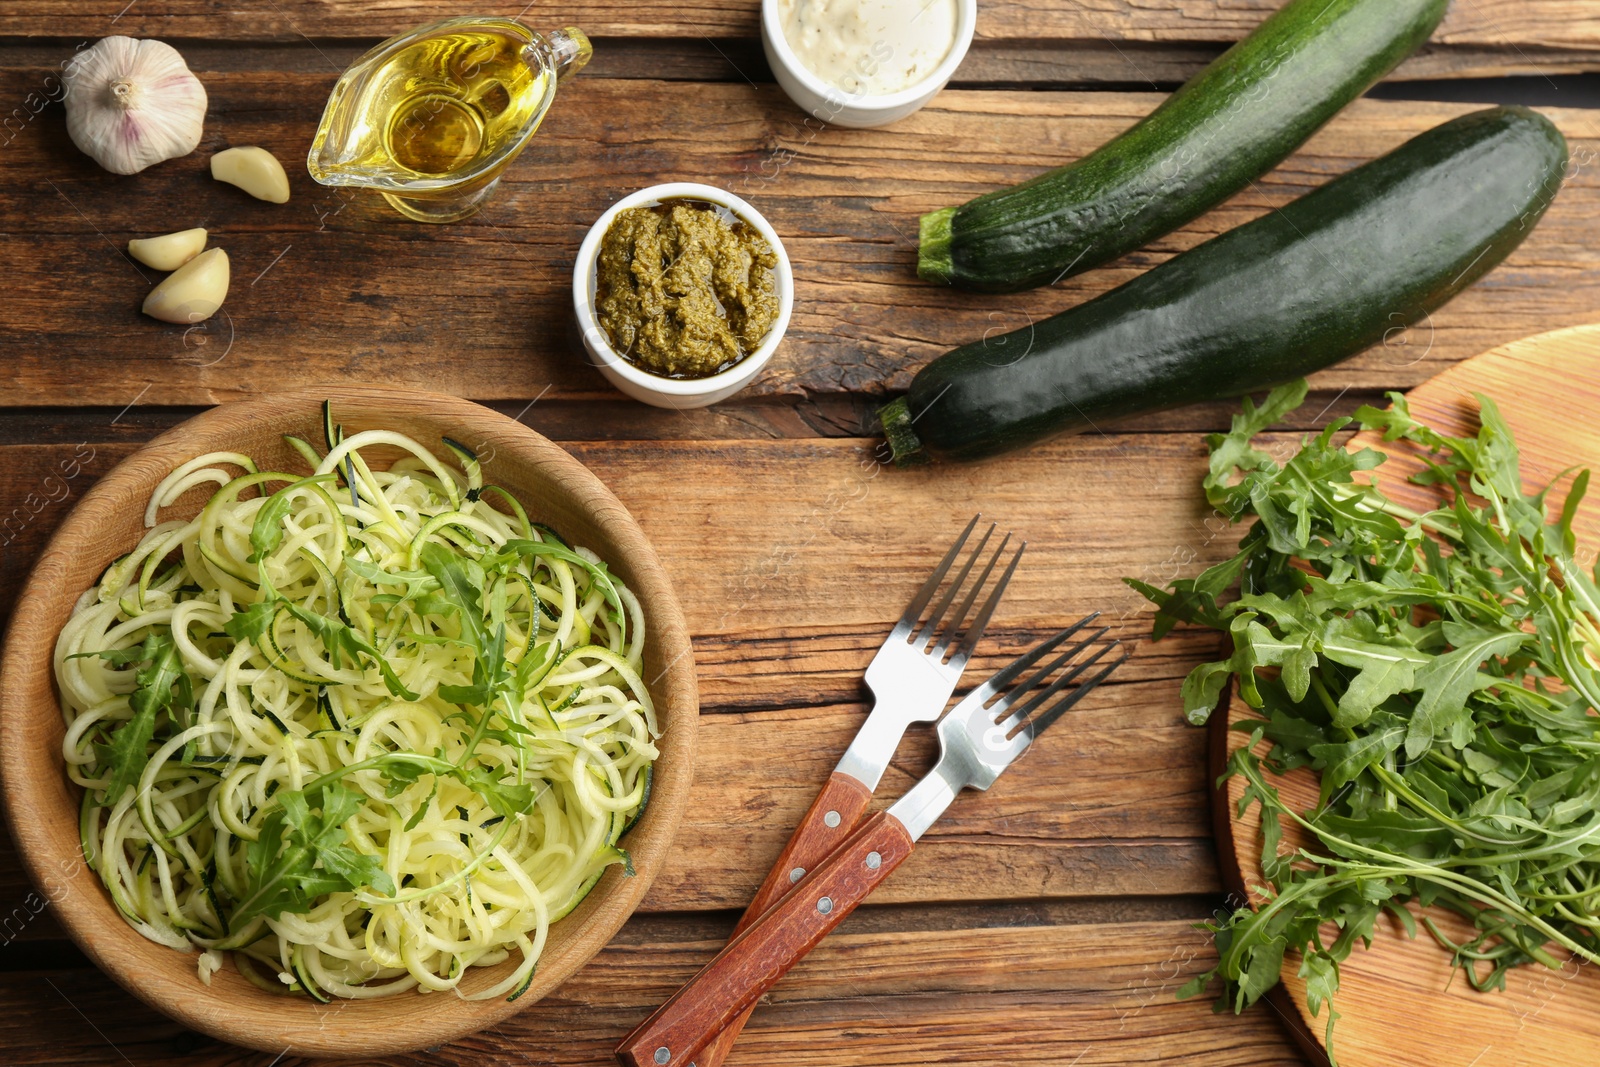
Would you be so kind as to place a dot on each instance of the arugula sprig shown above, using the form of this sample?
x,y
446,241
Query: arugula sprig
x,y
301,855
338,638
480,605
1435,669
160,685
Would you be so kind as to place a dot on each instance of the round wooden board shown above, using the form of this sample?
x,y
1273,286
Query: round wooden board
x,y
1397,1002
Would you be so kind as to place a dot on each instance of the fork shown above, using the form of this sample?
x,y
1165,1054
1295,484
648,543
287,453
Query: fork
x,y
912,678
978,740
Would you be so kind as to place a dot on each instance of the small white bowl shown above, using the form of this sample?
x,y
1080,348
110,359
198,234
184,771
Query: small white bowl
x,y
829,103
679,393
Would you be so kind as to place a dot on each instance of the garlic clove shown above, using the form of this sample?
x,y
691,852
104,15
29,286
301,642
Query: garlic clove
x,y
255,170
132,103
169,251
193,292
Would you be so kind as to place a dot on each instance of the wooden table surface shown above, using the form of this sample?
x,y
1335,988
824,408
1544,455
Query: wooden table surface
x,y
1047,922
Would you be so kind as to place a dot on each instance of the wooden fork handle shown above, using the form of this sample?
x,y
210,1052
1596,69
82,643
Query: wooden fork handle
x,y
832,818
753,962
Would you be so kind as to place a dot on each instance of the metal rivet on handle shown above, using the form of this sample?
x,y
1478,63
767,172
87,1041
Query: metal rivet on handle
x,y
825,905
874,861
832,819
663,1054
796,874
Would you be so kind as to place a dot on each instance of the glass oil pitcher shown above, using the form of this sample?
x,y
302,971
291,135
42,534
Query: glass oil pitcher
x,y
432,118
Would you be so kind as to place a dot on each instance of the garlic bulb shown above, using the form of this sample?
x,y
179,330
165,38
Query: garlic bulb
x,y
133,103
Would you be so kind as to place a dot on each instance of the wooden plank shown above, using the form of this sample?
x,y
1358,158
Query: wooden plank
x,y
1511,26
621,419
990,62
333,286
41,944
989,997
1138,65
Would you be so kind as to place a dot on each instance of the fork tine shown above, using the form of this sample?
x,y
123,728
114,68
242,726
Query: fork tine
x,y
1020,690
974,633
954,624
925,634
1042,722
1009,673
931,586
1033,725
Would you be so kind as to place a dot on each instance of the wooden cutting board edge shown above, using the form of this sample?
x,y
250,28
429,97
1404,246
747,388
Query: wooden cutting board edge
x,y
1449,395
1293,1014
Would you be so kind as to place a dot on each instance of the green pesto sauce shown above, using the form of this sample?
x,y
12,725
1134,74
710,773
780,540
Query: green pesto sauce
x,y
685,290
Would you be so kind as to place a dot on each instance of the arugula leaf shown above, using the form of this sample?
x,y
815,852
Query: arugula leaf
x,y
1375,684
160,685
301,856
340,641
1569,512
422,809
121,657
1236,451
1343,762
464,584
415,582
1202,690
1446,682
1193,600
253,622
266,533
1321,976
460,584
504,798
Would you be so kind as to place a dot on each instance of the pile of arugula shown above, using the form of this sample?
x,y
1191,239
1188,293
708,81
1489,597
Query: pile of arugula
x,y
1435,669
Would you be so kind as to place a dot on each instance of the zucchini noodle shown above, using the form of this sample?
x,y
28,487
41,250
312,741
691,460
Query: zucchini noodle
x,y
361,728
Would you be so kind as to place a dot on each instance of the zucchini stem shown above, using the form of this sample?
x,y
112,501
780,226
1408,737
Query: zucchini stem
x,y
895,418
933,247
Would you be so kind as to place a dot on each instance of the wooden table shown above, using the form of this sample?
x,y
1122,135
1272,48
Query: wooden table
x,y
1048,922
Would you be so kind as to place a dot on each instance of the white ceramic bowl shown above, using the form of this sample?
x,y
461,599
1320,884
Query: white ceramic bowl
x,y
829,103
638,383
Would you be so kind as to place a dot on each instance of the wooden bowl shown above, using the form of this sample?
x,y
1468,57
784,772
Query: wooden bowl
x,y
43,804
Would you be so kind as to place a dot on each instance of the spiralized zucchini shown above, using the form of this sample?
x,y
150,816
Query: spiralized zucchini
x,y
359,727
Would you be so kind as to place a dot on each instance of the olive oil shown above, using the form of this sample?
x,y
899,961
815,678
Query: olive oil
x,y
440,105
432,118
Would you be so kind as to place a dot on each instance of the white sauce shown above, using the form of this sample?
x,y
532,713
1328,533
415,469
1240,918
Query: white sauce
x,y
870,47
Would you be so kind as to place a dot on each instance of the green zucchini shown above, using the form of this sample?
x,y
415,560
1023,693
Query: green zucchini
x,y
1233,122
1373,251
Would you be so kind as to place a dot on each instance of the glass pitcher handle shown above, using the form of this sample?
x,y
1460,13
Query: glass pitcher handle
x,y
568,51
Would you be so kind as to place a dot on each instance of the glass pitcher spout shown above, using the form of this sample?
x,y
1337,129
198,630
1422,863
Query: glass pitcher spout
x,y
432,118
565,52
